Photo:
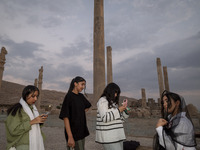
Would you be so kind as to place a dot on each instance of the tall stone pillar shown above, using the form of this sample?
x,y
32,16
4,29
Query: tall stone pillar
x,y
144,104
40,77
35,83
109,65
166,78
99,51
160,77
2,63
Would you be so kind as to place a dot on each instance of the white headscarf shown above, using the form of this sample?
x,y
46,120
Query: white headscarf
x,y
35,136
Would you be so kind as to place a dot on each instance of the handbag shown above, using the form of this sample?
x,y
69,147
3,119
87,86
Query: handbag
x,y
130,145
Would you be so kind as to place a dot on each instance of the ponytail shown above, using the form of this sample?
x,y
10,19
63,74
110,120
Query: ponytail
x,y
77,80
71,87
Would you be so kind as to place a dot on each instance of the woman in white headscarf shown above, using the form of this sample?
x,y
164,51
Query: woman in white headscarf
x,y
23,123
175,130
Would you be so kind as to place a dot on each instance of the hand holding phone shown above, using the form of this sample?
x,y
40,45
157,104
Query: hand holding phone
x,y
45,114
125,102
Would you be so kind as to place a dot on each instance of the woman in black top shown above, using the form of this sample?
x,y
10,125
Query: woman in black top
x,y
73,113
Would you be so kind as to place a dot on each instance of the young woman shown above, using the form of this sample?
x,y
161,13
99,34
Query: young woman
x,y
23,122
73,113
109,125
175,129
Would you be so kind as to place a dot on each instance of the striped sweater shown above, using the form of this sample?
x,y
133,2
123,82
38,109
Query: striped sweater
x,y
109,123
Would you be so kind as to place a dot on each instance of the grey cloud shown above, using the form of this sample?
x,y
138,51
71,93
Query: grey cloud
x,y
17,60
141,72
182,60
51,22
183,53
138,24
79,47
137,72
46,13
53,75
129,25
184,79
23,50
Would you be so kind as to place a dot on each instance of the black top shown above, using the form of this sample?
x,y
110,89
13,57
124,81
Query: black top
x,y
73,108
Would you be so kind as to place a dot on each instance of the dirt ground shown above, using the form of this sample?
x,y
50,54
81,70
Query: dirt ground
x,y
55,140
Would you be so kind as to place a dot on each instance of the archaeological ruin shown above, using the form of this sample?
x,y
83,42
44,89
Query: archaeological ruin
x,y
98,51
2,63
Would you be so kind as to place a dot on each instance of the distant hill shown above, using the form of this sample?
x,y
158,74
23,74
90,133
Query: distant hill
x,y
11,92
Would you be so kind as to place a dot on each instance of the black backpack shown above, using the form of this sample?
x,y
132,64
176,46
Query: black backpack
x,y
130,145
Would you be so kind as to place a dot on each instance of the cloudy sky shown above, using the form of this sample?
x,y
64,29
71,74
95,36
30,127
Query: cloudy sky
x,y
58,35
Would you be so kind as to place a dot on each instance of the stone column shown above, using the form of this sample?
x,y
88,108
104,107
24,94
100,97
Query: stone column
x,y
109,65
2,63
99,51
166,78
144,104
160,77
159,102
40,77
35,83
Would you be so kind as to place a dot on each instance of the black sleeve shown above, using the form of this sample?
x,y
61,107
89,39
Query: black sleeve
x,y
86,102
64,113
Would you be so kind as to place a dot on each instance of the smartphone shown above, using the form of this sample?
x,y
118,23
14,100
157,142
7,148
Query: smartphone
x,y
45,113
125,102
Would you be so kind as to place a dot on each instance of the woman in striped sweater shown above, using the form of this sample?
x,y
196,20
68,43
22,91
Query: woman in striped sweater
x,y
110,117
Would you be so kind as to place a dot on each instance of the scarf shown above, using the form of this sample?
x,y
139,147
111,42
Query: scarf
x,y
35,136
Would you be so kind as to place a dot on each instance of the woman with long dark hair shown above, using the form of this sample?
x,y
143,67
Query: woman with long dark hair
x,y
110,118
175,130
73,111
23,122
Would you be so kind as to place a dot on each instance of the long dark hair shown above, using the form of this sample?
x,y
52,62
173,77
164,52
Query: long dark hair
x,y
186,139
77,80
25,93
109,93
164,114
170,96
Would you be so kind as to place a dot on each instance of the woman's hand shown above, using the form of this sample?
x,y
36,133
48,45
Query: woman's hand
x,y
122,108
39,119
71,142
161,122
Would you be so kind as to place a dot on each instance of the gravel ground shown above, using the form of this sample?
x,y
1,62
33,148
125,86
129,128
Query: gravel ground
x,y
55,140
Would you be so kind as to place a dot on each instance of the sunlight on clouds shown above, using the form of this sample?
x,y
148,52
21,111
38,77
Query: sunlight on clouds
x,y
126,54
59,36
52,86
65,79
17,80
